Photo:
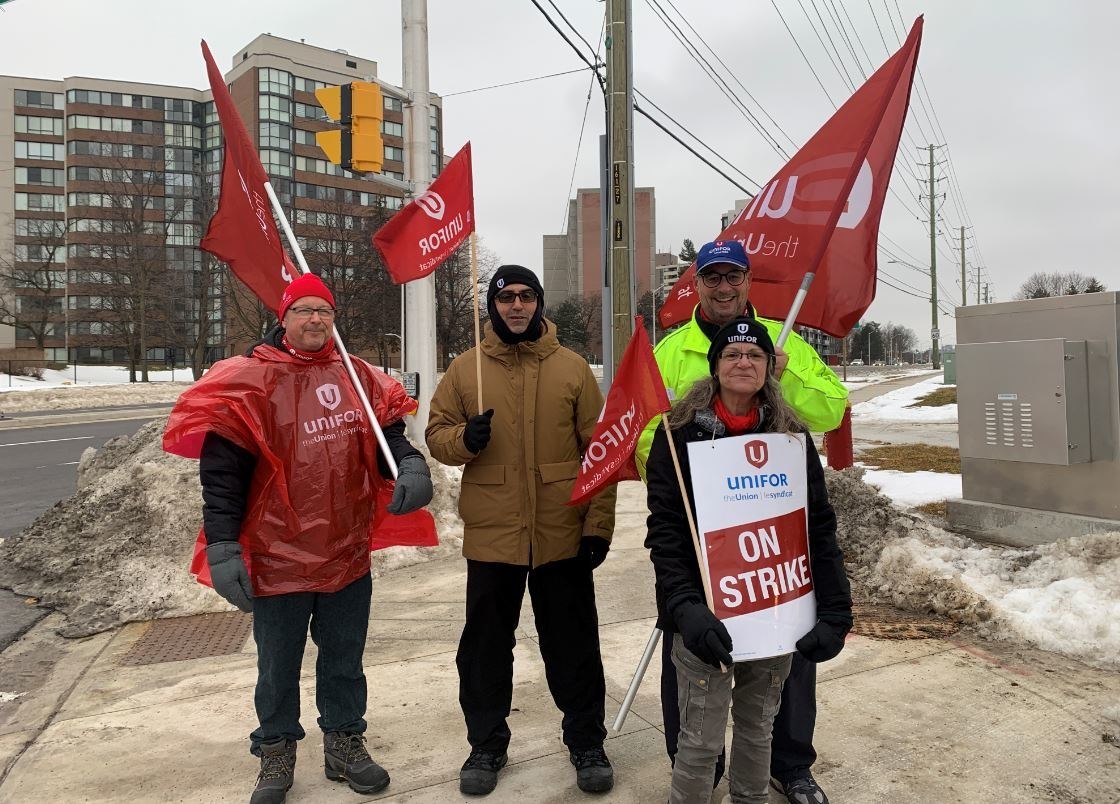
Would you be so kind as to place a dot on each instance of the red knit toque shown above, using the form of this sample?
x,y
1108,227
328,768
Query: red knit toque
x,y
304,285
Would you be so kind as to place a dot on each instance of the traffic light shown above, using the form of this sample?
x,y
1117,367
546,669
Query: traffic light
x,y
356,146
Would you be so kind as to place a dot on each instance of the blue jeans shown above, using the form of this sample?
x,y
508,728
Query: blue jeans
x,y
339,622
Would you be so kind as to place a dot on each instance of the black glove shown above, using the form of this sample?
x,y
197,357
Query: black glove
x,y
822,643
593,550
414,486
476,435
229,574
703,634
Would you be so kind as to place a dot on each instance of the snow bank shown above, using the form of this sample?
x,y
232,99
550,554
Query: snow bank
x,y
895,406
72,397
118,550
83,375
914,488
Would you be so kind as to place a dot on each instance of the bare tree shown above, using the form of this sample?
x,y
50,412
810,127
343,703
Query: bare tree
x,y
33,280
455,299
1043,284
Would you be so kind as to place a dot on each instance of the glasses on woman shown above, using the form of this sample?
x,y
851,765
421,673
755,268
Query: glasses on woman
x,y
325,313
734,277
732,356
526,296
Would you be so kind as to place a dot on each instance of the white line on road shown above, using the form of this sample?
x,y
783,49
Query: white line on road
x,y
69,463
47,441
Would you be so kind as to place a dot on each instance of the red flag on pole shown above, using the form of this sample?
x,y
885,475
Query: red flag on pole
x,y
242,231
421,236
821,212
636,396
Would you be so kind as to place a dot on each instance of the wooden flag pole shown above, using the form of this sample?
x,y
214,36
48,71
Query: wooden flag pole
x,y
477,327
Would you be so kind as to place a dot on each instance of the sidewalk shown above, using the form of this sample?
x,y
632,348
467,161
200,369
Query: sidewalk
x,y
927,720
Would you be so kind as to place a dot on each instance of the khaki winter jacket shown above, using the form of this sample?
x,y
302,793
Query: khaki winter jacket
x,y
546,403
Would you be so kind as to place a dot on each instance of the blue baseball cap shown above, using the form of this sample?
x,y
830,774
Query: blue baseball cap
x,y
722,251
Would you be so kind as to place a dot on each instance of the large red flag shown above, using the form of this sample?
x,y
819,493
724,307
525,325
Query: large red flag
x,y
821,212
421,236
242,231
636,396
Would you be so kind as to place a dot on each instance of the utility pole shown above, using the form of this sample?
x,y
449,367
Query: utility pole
x,y
987,299
419,328
964,274
935,333
977,282
620,117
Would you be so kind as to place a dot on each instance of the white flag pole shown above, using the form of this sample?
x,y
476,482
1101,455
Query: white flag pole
x,y
334,331
795,308
477,337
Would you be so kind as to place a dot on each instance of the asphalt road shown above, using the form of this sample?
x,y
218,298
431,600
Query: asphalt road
x,y
38,465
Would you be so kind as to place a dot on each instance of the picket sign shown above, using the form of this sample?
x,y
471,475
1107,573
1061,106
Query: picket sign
x,y
751,495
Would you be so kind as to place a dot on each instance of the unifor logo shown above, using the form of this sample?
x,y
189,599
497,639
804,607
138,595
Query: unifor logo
x,y
501,283
757,453
743,329
329,395
432,204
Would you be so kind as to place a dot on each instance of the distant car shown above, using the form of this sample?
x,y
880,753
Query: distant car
x,y
856,362
878,363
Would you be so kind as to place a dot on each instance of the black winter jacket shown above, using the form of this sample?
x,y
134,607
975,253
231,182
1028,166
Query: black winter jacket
x,y
226,470
670,541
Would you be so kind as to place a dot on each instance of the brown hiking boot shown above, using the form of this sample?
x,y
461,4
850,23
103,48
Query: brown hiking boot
x,y
347,760
278,768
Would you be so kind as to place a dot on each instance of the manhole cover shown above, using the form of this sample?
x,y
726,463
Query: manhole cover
x,y
885,622
181,638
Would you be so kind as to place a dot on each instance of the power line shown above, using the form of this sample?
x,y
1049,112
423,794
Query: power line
x,y
579,141
573,46
567,22
512,83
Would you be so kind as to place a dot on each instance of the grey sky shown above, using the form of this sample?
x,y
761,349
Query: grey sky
x,y
1024,92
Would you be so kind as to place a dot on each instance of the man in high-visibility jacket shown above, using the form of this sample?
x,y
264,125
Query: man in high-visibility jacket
x,y
722,287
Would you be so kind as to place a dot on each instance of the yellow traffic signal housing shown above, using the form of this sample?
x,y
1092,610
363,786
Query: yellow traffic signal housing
x,y
359,108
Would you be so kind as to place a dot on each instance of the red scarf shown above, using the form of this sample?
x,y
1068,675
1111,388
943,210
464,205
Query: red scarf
x,y
310,357
736,425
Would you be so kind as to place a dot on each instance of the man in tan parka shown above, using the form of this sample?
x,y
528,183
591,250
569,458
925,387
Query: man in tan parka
x,y
521,458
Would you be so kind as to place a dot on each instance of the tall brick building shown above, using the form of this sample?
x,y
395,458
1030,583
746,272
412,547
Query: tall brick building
x,y
107,186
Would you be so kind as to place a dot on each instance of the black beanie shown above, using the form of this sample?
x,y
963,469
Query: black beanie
x,y
740,330
514,275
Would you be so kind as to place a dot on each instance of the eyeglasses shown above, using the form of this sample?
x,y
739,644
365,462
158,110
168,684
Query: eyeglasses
x,y
526,296
325,313
734,278
732,356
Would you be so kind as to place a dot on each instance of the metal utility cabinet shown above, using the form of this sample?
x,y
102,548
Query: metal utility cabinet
x,y
1039,413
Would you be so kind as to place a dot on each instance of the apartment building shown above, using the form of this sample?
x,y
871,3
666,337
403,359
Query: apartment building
x,y
106,188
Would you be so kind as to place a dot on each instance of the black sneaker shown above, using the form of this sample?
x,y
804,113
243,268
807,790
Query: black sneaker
x,y
479,774
278,769
594,773
347,760
801,790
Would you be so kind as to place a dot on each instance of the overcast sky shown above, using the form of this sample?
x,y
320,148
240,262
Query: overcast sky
x,y
1024,92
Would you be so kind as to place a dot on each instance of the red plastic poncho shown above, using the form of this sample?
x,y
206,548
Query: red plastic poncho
x,y
317,501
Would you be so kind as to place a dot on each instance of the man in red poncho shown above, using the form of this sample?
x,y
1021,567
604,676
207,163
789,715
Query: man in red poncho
x,y
290,475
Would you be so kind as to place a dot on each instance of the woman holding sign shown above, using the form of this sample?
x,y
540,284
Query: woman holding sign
x,y
764,583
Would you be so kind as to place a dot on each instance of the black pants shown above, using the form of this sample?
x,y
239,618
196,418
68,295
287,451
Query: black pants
x,y
339,622
791,752
563,595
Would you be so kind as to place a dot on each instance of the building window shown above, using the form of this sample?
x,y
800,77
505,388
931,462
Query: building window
x,y
392,104
394,154
277,82
276,109
40,202
393,174
275,135
40,177
27,124
119,124
40,253
309,84
183,135
276,163
393,129
38,99
311,112
40,150
39,227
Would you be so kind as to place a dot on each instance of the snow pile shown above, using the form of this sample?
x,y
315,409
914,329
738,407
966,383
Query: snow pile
x,y
84,375
71,397
118,550
895,406
1063,596
914,488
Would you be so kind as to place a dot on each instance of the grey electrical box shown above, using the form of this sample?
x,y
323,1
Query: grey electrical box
x,y
1024,401
1038,403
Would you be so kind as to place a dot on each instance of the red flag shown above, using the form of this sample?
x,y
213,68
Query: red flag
x,y
636,396
821,212
421,236
242,231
